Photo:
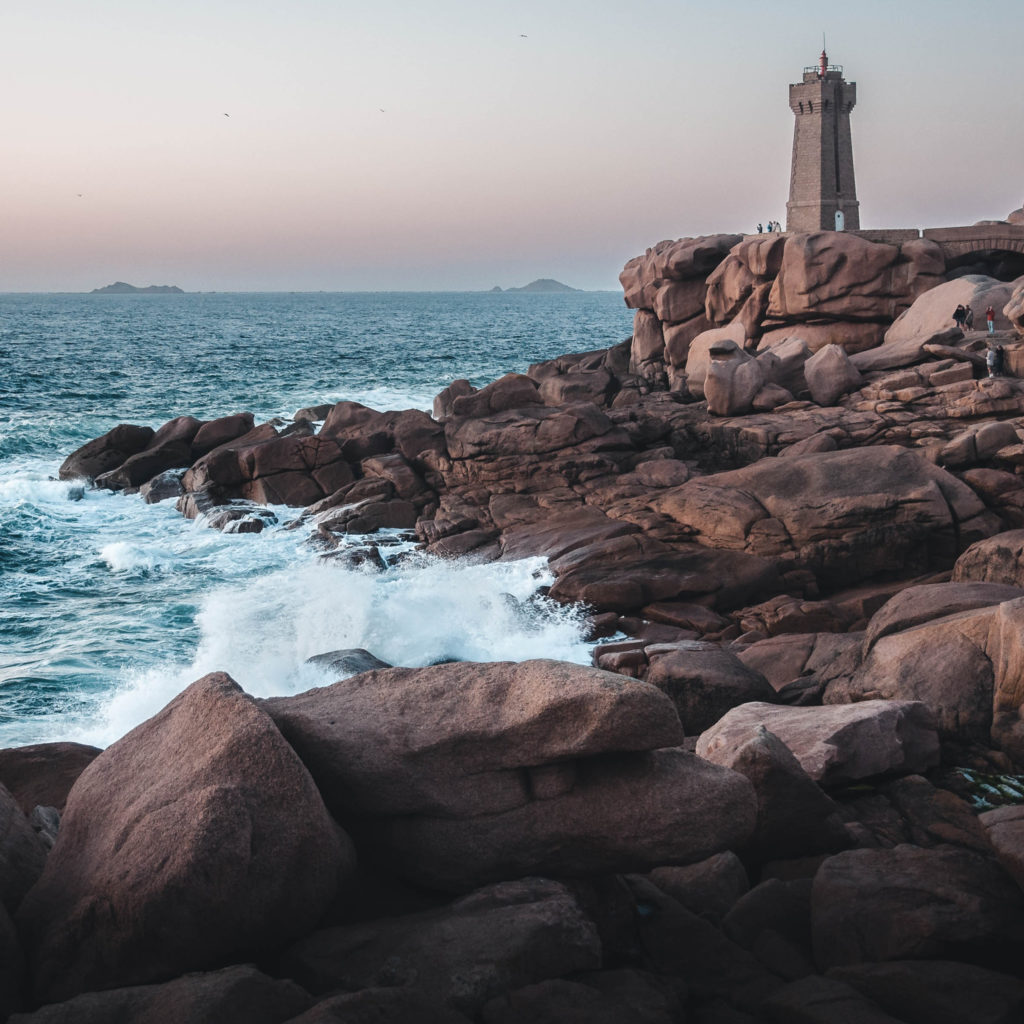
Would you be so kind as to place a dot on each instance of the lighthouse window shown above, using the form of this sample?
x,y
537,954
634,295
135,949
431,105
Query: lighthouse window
x,y
811,106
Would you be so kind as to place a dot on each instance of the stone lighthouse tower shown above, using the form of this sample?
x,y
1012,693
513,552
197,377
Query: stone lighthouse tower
x,y
822,195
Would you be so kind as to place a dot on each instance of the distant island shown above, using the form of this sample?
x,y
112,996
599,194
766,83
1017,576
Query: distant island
x,y
543,284
121,288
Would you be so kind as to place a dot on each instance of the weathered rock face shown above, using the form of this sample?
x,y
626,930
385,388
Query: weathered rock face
x,y
932,311
491,941
905,903
106,453
830,375
998,559
845,516
837,275
733,380
217,846
493,771
835,745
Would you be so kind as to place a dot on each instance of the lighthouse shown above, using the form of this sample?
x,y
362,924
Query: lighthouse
x,y
822,194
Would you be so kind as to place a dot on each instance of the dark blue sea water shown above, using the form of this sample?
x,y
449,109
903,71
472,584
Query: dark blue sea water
x,y
109,606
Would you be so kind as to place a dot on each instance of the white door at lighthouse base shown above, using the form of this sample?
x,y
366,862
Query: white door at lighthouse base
x,y
840,220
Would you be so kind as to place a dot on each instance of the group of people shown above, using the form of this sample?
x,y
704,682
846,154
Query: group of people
x,y
773,225
963,317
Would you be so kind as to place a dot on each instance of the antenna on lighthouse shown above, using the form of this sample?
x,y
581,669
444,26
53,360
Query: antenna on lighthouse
x,y
824,56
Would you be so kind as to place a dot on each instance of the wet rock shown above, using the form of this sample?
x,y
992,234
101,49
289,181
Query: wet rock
x,y
221,431
145,465
1005,829
349,662
162,486
106,452
217,846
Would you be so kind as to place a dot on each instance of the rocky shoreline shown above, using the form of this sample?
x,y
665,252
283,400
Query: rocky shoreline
x,y
789,788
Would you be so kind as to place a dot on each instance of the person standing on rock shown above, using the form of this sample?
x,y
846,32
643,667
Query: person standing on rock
x,y
991,359
990,319
760,229
958,316
969,319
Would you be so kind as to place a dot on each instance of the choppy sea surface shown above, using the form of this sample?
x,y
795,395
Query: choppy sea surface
x,y
109,607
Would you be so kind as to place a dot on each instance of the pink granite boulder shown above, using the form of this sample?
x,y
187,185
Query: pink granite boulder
x,y
197,838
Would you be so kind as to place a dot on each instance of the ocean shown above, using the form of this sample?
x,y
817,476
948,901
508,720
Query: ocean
x,y
109,607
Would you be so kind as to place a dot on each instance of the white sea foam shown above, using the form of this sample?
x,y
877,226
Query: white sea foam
x,y
263,630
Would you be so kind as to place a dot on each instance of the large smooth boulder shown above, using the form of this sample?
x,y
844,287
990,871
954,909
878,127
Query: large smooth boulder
x,y
106,452
942,663
932,311
909,903
196,838
463,774
839,275
830,375
492,941
927,602
844,515
463,738
233,995
838,744
624,812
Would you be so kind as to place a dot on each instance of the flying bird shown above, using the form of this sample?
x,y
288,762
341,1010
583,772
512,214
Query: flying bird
x,y
523,35
227,115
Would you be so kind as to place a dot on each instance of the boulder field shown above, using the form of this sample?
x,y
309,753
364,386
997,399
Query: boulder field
x,y
788,788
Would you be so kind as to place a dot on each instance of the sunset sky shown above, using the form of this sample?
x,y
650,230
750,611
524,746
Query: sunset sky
x,y
459,145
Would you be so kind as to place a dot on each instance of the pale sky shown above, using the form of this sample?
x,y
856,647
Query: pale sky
x,y
516,140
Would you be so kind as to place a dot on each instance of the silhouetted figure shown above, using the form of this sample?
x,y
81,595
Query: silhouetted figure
x,y
959,315
969,319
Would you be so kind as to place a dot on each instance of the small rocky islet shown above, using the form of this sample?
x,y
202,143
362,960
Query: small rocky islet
x,y
788,789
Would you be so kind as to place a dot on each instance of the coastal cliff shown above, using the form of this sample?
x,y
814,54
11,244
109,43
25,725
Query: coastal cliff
x,y
792,503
